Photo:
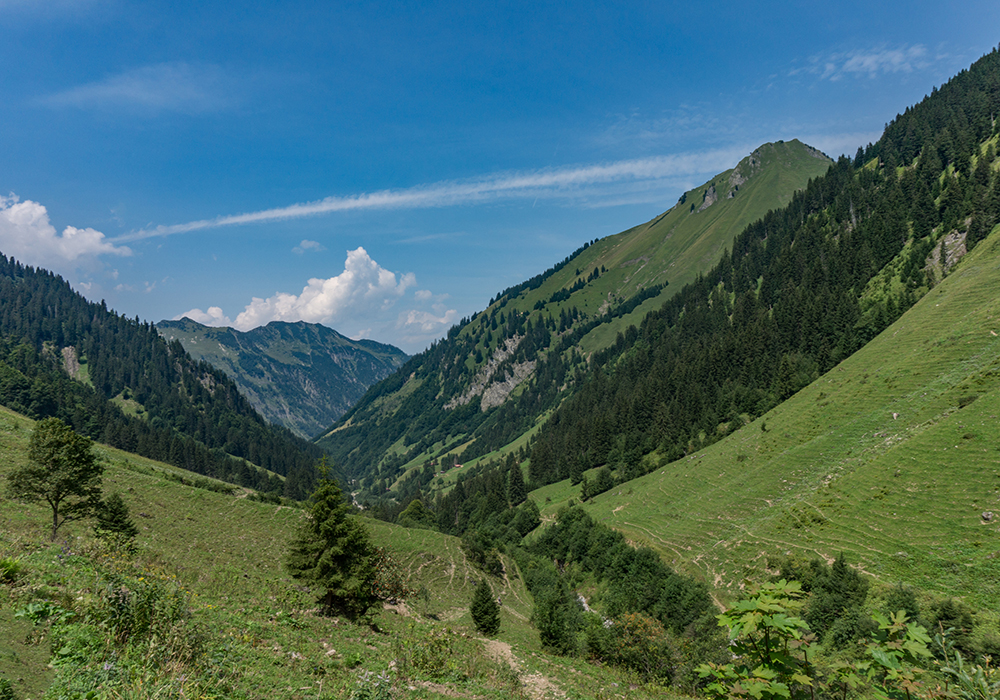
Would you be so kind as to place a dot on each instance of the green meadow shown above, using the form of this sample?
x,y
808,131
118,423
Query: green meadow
x,y
893,458
244,628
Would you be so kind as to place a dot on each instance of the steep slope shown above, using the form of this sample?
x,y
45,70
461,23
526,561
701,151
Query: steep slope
x,y
802,289
892,457
498,372
303,376
212,558
115,379
683,242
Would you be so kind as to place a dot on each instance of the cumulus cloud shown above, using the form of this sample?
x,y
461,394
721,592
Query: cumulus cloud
x,y
363,289
308,245
578,182
163,87
213,317
27,235
868,63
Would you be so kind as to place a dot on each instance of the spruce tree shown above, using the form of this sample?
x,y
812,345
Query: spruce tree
x,y
333,552
114,523
485,610
516,490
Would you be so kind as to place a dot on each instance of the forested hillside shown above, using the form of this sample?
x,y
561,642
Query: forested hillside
x,y
488,382
802,289
300,375
116,380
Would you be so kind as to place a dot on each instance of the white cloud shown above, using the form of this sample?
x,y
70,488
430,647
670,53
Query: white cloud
x,y
308,245
870,63
163,87
27,235
362,290
423,295
422,323
573,182
213,317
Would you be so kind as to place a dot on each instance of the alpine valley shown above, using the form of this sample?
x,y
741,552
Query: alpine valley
x,y
746,449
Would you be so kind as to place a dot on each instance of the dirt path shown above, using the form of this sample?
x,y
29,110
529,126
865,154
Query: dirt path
x,y
538,686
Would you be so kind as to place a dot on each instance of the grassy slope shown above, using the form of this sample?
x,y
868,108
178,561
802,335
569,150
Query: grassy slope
x,y
875,459
678,245
228,552
674,247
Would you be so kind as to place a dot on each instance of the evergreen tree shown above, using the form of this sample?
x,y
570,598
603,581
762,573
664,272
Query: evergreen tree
x,y
63,472
114,522
485,610
516,490
333,552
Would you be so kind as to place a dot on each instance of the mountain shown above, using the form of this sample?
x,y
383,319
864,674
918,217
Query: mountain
x,y
890,457
496,373
116,380
303,376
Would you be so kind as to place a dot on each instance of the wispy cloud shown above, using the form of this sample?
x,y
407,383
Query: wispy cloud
x,y
570,182
868,63
163,87
306,244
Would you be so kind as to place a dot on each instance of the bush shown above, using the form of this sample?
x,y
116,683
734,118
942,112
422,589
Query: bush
x,y
10,570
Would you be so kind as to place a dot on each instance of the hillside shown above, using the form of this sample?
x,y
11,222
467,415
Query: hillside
x,y
303,376
683,242
891,457
210,565
115,379
498,372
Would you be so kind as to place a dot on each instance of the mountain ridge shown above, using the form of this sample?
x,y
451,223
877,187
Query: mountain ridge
x,y
592,294
300,375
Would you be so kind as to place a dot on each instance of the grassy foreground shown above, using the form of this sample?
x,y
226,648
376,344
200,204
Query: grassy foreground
x,y
225,620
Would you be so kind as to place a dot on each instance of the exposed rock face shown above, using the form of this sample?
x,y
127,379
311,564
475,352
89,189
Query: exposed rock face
x,y
710,198
70,361
495,390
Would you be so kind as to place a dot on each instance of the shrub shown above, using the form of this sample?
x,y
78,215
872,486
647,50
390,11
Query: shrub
x,y
10,570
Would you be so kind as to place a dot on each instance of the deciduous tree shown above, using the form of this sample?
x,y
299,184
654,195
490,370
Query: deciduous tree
x,y
63,472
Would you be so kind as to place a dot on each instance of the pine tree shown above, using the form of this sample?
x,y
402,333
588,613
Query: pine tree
x,y
333,552
485,610
114,523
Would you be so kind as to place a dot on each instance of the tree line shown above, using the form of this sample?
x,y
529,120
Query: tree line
x,y
184,412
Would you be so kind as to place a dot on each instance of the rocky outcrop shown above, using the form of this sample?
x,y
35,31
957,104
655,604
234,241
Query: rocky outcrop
x,y
709,199
493,389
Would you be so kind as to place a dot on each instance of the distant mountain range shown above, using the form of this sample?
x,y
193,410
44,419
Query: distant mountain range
x,y
303,376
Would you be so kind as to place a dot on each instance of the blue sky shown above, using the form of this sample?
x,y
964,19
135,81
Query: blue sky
x,y
386,168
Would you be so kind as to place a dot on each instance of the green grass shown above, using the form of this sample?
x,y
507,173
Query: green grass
x,y
886,458
224,552
678,245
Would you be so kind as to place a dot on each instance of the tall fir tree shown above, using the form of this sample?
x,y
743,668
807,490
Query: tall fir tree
x,y
333,552
485,610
